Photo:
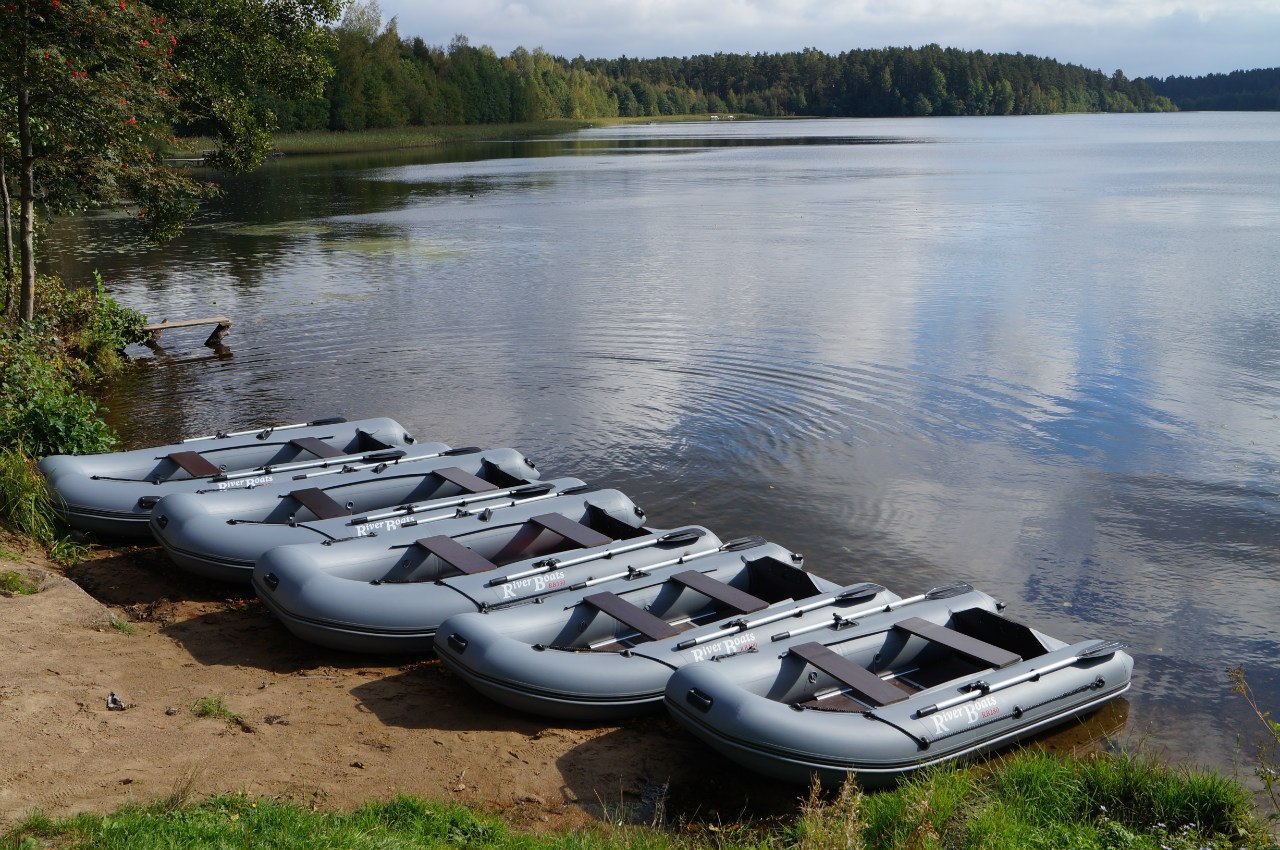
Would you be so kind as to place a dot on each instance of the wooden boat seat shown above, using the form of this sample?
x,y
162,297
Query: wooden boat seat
x,y
316,447
465,480
864,686
632,616
318,502
725,594
575,532
456,555
194,464
979,651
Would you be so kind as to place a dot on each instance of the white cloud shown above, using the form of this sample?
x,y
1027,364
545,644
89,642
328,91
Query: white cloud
x,y
1140,36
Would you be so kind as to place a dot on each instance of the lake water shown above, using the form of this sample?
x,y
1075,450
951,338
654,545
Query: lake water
x,y
1038,354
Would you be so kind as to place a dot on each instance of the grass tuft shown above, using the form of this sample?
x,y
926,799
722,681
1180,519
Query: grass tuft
x,y
837,824
14,583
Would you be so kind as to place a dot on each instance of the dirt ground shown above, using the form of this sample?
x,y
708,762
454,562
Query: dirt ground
x,y
317,726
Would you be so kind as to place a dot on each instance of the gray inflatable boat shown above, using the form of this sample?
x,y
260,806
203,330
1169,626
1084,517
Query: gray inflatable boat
x,y
893,692
219,534
388,593
607,652
113,493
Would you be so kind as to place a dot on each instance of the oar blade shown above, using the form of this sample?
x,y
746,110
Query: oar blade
x,y
740,543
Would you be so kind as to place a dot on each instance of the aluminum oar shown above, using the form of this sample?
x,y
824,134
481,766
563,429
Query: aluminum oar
x,y
460,501
547,564
743,625
397,461
263,433
980,688
940,592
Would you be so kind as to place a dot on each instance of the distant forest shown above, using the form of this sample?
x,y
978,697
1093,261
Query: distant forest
x,y
1239,90
383,80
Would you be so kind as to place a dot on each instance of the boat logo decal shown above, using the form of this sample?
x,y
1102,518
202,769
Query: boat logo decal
x,y
367,529
969,713
546,581
729,646
245,482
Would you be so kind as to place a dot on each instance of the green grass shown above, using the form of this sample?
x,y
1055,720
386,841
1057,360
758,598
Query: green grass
x,y
214,707
14,583
1030,800
124,627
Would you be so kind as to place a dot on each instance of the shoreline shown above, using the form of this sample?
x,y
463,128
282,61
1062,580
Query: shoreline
x,y
320,142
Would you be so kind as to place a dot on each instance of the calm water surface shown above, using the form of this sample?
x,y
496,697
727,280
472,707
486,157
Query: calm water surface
x,y
1038,354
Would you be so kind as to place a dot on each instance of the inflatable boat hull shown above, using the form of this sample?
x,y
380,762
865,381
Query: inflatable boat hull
x,y
389,595
113,493
220,535
574,661
782,716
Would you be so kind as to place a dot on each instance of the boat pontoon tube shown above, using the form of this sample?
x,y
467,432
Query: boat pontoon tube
x,y
389,593
113,493
219,534
894,693
608,653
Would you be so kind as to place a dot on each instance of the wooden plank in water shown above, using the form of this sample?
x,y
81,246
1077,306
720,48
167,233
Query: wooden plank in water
x,y
222,326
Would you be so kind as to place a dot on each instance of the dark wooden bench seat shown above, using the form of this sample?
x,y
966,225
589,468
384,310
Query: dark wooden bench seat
x,y
456,555
194,464
316,447
979,651
575,532
632,616
863,685
318,502
464,480
728,595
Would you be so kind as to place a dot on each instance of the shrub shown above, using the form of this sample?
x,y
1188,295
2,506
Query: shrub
x,y
45,367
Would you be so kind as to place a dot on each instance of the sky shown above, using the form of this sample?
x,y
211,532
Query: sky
x,y
1140,37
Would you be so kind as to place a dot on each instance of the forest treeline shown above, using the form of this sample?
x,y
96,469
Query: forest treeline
x,y
1254,90
384,80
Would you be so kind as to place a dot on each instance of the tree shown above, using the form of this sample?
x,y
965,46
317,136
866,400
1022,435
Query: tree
x,y
96,87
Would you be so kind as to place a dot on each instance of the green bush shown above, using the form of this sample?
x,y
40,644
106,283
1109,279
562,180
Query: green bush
x,y
45,367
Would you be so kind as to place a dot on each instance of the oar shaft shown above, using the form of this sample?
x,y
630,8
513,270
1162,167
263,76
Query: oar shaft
x,y
293,467
1009,682
265,429
359,466
683,559
853,615
582,559
763,621
453,501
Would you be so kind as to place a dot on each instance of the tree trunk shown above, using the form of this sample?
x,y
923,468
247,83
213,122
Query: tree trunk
x,y
27,201
8,220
